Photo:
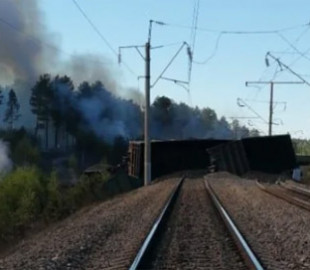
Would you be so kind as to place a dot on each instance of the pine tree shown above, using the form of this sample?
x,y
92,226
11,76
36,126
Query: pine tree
x,y
40,102
1,97
62,94
12,112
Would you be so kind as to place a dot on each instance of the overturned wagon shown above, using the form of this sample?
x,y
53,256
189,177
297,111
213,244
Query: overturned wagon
x,y
170,156
273,154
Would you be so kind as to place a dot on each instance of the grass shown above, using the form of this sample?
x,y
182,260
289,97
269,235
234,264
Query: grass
x,y
305,174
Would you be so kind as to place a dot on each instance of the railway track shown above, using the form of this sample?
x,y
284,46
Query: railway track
x,y
189,234
297,189
292,194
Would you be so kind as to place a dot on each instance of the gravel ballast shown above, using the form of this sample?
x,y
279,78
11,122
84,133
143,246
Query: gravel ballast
x,y
105,236
277,230
195,237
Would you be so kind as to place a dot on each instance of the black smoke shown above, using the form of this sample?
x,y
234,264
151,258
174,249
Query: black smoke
x,y
99,110
24,52
28,49
107,109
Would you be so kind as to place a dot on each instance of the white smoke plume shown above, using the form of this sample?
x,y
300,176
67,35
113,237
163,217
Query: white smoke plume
x,y
5,161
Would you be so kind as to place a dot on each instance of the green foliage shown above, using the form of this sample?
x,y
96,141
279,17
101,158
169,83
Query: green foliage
x,y
55,206
73,163
25,197
62,89
40,102
88,189
21,197
209,118
24,153
301,146
171,120
12,112
40,98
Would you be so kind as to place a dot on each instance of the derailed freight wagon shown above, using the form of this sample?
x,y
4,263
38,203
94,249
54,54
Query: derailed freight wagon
x,y
270,154
170,156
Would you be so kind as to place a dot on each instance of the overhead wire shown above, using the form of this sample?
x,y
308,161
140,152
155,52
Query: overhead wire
x,y
293,46
168,65
239,32
191,49
193,23
195,26
212,55
299,57
276,72
223,32
170,44
277,32
98,32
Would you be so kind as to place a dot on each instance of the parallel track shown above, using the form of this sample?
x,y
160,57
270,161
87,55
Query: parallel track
x,y
286,194
148,250
303,192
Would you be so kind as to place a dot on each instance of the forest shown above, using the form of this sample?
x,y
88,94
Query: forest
x,y
69,128
93,123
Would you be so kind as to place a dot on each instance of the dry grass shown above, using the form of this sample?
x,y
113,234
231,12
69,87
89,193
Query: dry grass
x,y
305,174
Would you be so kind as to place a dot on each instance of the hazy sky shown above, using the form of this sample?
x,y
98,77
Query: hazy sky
x,y
237,57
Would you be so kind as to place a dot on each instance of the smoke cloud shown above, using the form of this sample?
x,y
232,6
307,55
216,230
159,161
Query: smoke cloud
x,y
28,49
5,162
22,51
101,111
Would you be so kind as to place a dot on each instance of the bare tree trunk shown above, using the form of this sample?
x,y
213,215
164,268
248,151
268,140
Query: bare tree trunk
x,y
67,140
56,136
46,134
36,130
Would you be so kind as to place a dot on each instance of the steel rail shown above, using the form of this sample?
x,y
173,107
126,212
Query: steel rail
x,y
280,194
296,189
248,255
146,248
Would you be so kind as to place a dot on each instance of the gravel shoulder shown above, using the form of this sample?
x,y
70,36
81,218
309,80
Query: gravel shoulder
x,y
277,230
105,236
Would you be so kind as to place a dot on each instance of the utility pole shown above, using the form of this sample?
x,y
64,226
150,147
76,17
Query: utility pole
x,y
147,143
148,86
271,83
270,110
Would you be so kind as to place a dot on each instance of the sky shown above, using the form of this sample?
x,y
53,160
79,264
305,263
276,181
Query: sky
x,y
231,42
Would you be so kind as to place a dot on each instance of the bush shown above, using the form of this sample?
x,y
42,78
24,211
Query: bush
x,y
56,199
87,190
25,153
21,200
73,163
25,196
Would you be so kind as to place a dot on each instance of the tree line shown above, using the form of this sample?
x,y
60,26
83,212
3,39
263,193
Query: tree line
x,y
90,112
11,114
